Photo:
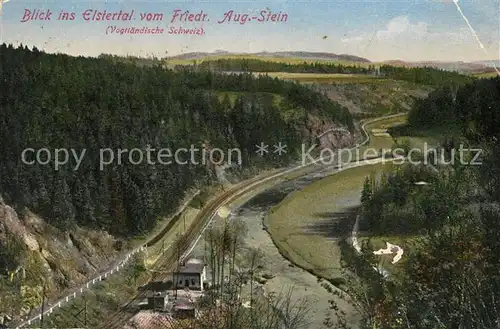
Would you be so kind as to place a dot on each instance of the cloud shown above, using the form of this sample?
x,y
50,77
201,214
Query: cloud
x,y
401,38
401,27
397,28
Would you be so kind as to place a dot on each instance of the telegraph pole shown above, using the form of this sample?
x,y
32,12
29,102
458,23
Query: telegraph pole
x,y
43,306
178,265
85,315
205,249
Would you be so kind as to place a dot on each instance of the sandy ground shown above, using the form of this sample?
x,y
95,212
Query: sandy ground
x,y
304,284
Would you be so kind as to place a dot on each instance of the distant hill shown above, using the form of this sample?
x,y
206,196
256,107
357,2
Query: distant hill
x,y
492,63
461,67
292,54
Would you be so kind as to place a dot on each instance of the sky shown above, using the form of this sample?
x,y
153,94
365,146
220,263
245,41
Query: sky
x,y
410,30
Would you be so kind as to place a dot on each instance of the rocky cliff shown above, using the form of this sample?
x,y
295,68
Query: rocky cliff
x,y
34,254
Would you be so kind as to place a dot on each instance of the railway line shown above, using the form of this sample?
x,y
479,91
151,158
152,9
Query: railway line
x,y
202,220
168,262
189,239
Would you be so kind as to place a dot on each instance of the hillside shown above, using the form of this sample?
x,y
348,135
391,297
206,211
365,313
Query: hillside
x,y
305,55
490,63
375,98
448,276
60,222
298,56
34,253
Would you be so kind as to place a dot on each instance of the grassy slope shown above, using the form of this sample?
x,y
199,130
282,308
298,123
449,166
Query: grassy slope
x,y
485,75
375,97
322,78
233,95
303,225
361,93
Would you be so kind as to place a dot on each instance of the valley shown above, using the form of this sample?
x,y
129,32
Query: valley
x,y
272,233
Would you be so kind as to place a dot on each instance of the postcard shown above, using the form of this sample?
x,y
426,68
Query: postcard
x,y
261,164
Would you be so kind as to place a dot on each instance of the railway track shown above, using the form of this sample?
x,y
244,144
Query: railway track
x,y
169,260
166,262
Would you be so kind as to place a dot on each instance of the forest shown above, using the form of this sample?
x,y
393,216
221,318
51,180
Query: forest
x,y
450,227
421,75
473,108
58,101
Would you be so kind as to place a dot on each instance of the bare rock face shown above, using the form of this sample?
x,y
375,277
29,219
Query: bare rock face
x,y
9,221
330,135
64,259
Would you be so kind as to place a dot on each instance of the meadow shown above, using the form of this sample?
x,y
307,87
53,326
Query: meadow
x,y
307,226
485,75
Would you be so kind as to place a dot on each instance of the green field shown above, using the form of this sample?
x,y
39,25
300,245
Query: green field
x,y
381,142
485,75
290,60
308,224
233,95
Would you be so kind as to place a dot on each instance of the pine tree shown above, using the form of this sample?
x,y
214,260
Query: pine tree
x,y
63,211
366,193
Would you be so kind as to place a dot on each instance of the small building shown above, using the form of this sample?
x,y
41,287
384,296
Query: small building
x,y
163,285
157,300
191,275
4,318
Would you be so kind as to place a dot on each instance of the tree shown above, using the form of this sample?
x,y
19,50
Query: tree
x,y
136,269
110,103
366,193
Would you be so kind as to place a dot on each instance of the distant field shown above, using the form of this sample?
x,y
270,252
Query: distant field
x,y
485,75
290,60
306,225
233,95
323,78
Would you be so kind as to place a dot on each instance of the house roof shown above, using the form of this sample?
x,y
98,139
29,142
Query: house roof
x,y
183,303
157,294
157,286
192,268
184,307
